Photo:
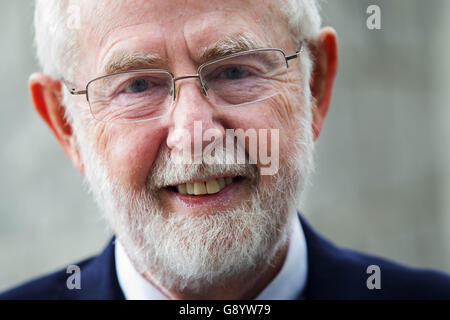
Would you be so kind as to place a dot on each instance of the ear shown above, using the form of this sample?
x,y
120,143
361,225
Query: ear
x,y
325,57
47,100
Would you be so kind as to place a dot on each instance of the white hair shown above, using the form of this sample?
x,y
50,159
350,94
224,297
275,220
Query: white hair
x,y
57,42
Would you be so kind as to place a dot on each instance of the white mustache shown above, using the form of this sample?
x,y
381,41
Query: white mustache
x,y
167,171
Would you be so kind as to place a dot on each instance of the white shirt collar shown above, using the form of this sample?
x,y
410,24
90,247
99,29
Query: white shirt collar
x,y
288,284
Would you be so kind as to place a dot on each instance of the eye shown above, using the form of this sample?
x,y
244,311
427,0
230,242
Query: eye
x,y
138,85
234,73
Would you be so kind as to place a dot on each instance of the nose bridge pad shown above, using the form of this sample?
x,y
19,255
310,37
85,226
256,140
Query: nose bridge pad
x,y
204,87
174,92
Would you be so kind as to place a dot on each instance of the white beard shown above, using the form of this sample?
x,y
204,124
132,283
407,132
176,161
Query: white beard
x,y
177,251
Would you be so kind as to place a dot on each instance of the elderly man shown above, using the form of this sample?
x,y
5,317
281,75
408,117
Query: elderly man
x,y
155,102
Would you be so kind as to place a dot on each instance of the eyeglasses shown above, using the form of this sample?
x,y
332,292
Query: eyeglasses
x,y
235,80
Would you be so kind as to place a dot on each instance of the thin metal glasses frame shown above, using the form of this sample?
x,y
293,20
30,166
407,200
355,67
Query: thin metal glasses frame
x,y
74,91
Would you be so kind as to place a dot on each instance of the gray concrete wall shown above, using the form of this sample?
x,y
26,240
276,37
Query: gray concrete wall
x,y
382,175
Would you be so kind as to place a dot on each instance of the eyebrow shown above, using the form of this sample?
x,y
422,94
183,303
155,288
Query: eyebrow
x,y
228,45
126,61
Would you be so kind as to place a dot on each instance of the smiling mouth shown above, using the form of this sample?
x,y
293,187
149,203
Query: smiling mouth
x,y
205,187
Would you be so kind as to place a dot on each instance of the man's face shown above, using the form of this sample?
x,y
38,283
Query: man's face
x,y
178,240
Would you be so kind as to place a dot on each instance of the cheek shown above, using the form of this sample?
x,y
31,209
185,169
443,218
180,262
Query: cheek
x,y
131,153
282,112
287,110
275,121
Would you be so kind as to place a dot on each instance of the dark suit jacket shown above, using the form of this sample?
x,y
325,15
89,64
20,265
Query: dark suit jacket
x,y
333,273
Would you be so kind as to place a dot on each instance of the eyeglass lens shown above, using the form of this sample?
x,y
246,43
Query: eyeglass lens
x,y
230,81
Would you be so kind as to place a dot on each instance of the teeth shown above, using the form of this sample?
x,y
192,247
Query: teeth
x,y
199,188
222,182
182,188
190,188
208,187
212,186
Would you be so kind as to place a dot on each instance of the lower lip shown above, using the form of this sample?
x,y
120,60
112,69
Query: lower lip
x,y
223,198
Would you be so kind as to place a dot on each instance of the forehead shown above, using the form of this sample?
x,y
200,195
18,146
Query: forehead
x,y
166,28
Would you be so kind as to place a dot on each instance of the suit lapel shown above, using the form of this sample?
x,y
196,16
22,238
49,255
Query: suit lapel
x,y
99,278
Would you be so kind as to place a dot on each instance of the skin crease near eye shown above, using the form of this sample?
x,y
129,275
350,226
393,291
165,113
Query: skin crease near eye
x,y
195,230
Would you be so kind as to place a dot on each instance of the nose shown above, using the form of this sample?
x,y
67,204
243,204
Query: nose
x,y
193,121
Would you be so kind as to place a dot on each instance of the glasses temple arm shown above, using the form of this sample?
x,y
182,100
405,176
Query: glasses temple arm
x,y
77,92
296,54
293,56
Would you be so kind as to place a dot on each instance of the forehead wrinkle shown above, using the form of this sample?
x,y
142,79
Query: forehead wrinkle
x,y
229,45
125,61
